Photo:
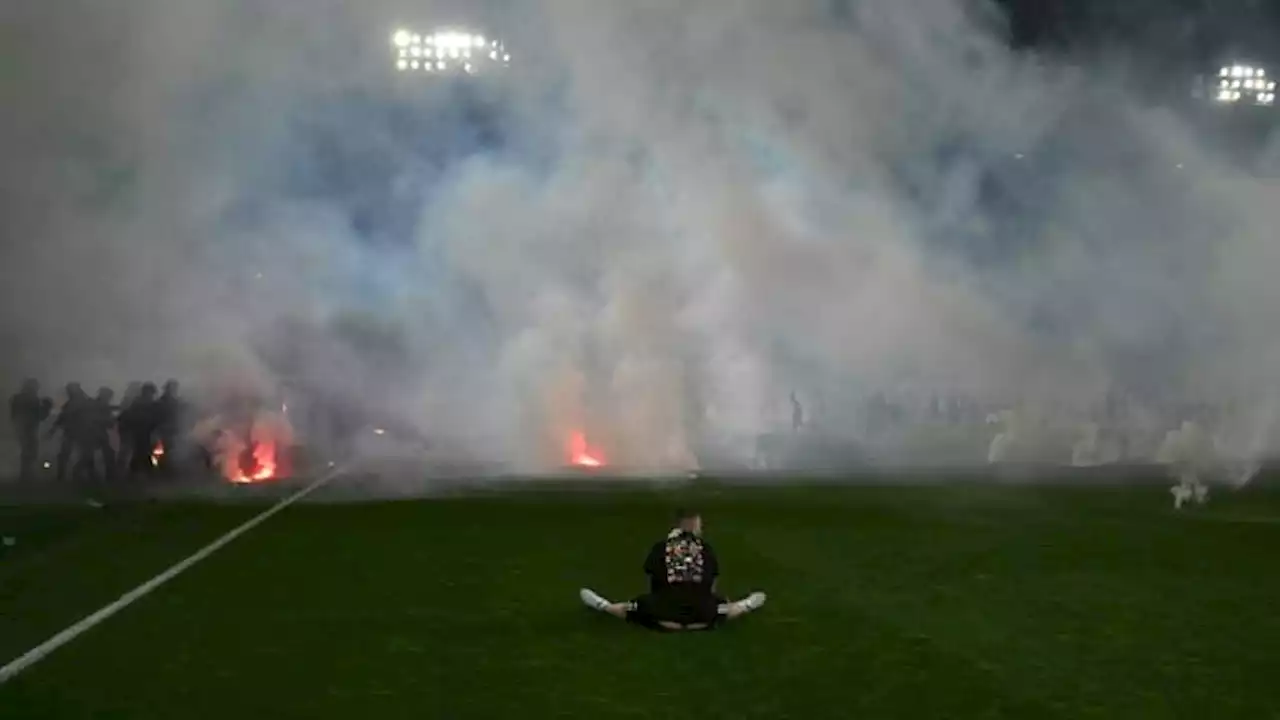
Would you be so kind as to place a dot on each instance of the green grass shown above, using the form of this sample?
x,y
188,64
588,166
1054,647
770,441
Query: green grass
x,y
884,603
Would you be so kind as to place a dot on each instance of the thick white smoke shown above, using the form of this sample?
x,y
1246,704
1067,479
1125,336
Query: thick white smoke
x,y
696,208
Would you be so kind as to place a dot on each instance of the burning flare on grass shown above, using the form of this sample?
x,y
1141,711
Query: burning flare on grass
x,y
247,452
156,453
582,455
257,463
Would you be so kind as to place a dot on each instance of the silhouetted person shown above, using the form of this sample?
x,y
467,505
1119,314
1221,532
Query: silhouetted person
x,y
71,423
171,420
683,572
797,413
99,418
125,443
139,422
27,410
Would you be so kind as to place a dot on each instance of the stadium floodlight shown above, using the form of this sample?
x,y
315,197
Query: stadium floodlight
x,y
469,52
1243,83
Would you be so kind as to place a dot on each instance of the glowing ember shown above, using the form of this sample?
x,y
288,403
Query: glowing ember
x,y
581,455
257,464
156,454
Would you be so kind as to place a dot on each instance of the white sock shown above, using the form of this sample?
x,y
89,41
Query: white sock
x,y
593,600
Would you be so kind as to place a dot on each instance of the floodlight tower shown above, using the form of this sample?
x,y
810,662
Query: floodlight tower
x,y
1242,83
447,51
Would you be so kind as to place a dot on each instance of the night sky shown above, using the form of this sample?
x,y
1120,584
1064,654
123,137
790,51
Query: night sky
x,y
1190,30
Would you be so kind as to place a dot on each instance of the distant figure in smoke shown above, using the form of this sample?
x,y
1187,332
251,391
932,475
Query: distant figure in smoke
x,y
797,413
1190,456
27,410
138,422
99,418
171,417
682,570
71,423
1005,441
125,444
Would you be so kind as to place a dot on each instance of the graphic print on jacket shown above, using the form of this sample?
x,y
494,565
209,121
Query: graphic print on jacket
x,y
685,558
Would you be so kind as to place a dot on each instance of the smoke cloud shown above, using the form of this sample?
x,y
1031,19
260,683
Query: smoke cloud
x,y
662,221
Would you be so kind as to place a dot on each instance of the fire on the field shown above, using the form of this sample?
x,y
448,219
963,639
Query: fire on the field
x,y
248,451
583,455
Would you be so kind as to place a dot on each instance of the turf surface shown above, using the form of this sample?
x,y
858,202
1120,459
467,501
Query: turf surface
x,y
884,603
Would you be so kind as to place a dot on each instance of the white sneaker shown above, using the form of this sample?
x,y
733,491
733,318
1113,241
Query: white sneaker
x,y
750,603
592,600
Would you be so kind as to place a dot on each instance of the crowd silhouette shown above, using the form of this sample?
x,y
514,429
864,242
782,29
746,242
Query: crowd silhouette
x,y
100,440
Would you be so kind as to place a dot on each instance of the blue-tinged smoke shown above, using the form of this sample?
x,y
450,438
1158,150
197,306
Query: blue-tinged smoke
x,y
663,220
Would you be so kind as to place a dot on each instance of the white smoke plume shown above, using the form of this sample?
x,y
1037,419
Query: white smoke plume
x,y
692,208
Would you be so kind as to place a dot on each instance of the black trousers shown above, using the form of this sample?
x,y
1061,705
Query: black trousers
x,y
86,463
28,452
696,607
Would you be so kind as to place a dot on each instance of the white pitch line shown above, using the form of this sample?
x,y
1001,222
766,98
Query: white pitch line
x,y
41,651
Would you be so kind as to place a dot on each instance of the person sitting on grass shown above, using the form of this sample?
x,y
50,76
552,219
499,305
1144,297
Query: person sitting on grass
x,y
682,570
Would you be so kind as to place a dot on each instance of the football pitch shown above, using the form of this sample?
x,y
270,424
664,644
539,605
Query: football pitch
x,y
885,602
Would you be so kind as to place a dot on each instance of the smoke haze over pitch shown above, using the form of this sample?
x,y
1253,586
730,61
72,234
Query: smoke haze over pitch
x,y
693,209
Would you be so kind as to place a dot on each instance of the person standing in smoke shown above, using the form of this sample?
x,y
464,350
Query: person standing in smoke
x,y
171,419
27,410
99,417
125,441
138,422
797,413
70,422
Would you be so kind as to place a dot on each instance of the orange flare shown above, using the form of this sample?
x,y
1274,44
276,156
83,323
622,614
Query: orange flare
x,y
580,454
